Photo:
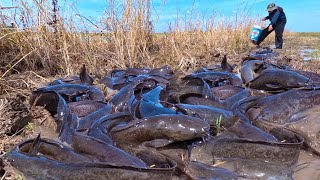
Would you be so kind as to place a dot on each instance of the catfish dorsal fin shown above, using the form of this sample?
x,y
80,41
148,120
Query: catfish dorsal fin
x,y
84,76
34,149
225,65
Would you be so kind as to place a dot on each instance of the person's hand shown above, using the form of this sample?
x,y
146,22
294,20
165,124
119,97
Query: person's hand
x,y
270,28
263,19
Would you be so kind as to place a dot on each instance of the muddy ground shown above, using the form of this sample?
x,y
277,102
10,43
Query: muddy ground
x,y
19,122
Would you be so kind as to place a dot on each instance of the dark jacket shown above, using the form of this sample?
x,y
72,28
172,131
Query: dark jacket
x,y
277,16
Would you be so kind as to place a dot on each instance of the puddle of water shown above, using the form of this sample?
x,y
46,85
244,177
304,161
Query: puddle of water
x,y
307,58
308,166
306,53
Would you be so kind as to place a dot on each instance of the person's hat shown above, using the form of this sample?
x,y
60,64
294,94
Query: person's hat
x,y
271,7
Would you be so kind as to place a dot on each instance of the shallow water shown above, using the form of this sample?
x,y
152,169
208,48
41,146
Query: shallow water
x,y
308,167
306,53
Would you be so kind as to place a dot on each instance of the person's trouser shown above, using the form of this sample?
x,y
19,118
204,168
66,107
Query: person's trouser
x,y
279,28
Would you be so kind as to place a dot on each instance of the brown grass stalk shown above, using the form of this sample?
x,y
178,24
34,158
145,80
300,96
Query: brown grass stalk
x,y
61,44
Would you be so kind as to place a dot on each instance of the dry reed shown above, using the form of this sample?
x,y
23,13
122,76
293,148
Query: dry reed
x,y
45,41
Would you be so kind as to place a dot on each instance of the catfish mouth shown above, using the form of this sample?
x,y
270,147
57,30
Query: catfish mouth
x,y
183,97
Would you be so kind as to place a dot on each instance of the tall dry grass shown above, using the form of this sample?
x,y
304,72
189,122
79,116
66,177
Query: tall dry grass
x,y
49,42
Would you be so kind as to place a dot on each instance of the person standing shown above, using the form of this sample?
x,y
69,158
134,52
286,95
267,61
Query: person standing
x,y
278,21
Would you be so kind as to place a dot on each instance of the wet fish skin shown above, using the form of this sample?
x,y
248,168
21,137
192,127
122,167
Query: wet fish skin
x,y
87,121
276,79
150,104
185,92
74,90
51,149
207,113
210,76
248,131
278,108
54,103
224,92
248,68
104,152
199,170
121,99
83,78
204,101
285,154
315,77
232,100
171,127
101,127
86,107
65,164
295,110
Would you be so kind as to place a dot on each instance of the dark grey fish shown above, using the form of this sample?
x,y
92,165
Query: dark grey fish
x,y
104,152
264,54
207,113
74,92
119,102
150,104
101,127
121,99
315,77
249,70
54,103
276,79
83,78
57,161
199,170
164,71
87,121
241,129
171,127
224,66
182,93
210,76
292,110
86,107
232,100
115,82
204,101
268,155
224,92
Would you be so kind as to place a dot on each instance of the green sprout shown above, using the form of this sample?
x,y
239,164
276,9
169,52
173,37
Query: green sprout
x,y
30,126
218,123
20,177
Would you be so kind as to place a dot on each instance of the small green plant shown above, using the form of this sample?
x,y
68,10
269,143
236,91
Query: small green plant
x,y
20,177
218,123
30,126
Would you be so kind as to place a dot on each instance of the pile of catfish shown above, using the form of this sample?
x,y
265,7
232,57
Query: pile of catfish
x,y
211,124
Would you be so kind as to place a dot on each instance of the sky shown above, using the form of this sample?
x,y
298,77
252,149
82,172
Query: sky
x,y
302,15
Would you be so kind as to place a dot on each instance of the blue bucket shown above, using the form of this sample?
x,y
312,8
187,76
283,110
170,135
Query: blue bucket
x,y
255,33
